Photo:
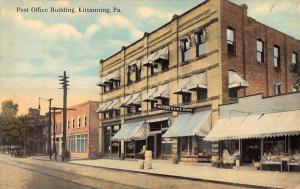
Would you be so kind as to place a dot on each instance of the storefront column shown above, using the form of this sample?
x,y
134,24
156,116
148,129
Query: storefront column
x,y
240,147
155,146
289,145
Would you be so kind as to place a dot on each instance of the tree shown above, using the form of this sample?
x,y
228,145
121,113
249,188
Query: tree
x,y
9,123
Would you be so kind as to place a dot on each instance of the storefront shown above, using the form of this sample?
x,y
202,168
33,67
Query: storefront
x,y
111,148
263,139
189,129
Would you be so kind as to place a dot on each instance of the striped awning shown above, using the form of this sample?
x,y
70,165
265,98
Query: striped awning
x,y
150,93
104,106
135,99
183,86
190,124
132,131
162,92
236,81
198,81
256,126
114,76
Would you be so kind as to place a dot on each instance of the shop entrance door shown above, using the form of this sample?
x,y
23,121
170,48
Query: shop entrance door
x,y
150,144
250,150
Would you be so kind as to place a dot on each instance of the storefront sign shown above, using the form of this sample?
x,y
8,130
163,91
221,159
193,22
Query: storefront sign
x,y
174,108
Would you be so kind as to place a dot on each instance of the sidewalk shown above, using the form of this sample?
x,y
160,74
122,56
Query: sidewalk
x,y
202,172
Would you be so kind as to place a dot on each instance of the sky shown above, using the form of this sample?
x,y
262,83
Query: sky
x,y
36,47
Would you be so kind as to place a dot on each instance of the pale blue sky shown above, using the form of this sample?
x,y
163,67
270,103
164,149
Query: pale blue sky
x,y
37,47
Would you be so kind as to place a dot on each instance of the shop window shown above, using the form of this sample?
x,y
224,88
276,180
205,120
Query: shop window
x,y
155,126
185,46
200,39
259,50
186,98
107,137
276,56
230,41
201,94
233,93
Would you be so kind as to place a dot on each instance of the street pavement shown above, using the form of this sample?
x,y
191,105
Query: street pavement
x,y
105,173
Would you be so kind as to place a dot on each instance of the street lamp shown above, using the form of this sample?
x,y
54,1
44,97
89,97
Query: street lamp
x,y
49,126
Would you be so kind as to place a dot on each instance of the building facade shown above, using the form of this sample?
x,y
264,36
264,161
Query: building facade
x,y
37,132
210,55
82,130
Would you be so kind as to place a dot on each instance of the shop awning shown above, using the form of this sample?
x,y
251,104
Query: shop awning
x,y
104,106
114,76
256,126
132,131
162,91
161,54
126,100
236,81
198,81
150,94
115,105
187,124
183,86
135,100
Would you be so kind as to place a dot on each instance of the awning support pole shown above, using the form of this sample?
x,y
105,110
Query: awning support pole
x,y
261,148
240,147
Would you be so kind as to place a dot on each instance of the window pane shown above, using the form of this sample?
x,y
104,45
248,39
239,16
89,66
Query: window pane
x,y
259,46
276,51
294,58
275,62
201,49
258,56
230,35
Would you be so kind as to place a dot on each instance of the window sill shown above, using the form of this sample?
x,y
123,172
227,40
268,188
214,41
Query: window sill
x,y
115,89
160,72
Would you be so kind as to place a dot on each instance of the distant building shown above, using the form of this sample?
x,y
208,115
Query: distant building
x,y
82,130
210,55
37,132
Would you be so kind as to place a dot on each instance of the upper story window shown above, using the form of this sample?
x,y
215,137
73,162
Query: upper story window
x,y
230,40
165,101
259,50
185,46
73,123
186,97
78,122
138,72
201,94
85,121
294,58
200,39
68,125
276,56
129,80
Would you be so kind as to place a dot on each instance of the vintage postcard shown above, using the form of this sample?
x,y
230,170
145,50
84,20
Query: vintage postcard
x,y
117,94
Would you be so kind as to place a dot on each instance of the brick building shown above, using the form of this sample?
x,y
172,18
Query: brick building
x,y
82,130
208,56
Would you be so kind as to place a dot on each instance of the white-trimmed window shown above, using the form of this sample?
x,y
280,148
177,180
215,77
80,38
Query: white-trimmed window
x,y
259,50
276,56
73,123
230,40
85,121
294,58
200,39
78,122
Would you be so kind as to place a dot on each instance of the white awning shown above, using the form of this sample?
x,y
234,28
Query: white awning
x,y
256,126
149,61
132,131
198,81
150,93
104,106
236,81
114,76
162,92
132,66
135,100
183,86
161,54
190,124
126,100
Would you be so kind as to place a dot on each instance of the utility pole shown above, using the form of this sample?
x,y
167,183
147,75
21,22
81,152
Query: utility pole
x,y
64,82
49,126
